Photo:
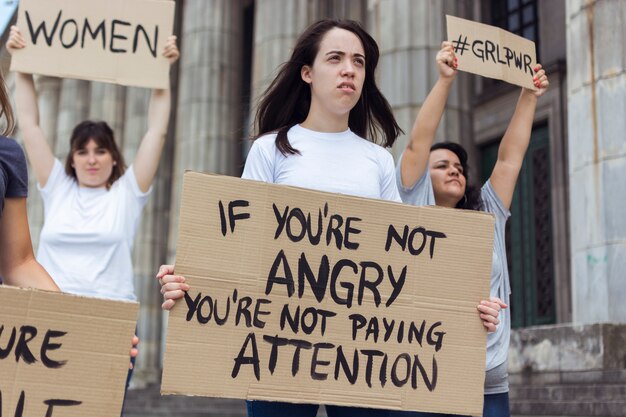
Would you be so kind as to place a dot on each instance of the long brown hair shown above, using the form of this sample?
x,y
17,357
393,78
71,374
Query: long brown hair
x,y
5,108
102,134
287,100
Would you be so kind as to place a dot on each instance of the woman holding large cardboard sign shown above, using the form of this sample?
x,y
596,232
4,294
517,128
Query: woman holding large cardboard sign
x,y
313,122
92,202
18,266
437,175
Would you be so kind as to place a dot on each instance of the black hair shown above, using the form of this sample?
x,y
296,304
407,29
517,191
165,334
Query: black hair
x,y
287,100
471,199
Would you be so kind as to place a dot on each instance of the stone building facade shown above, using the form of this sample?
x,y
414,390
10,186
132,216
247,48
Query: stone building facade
x,y
567,244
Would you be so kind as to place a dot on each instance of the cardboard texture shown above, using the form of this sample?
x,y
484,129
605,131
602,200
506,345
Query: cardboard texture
x,y
492,52
225,338
112,41
63,355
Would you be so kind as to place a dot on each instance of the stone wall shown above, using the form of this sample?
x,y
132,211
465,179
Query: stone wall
x,y
569,370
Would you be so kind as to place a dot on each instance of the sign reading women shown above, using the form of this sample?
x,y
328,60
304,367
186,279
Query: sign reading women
x,y
116,41
305,296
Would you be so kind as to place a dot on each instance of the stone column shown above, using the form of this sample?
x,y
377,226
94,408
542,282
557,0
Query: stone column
x,y
107,103
73,109
209,118
596,96
277,25
133,102
409,34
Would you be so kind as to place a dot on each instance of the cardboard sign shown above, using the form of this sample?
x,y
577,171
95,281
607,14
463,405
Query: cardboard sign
x,y
63,355
312,297
492,52
114,41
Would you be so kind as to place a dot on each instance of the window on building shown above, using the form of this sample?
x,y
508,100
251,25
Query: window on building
x,y
529,234
517,16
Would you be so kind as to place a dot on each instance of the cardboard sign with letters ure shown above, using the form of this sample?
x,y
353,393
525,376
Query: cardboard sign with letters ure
x,y
310,297
114,41
63,355
492,52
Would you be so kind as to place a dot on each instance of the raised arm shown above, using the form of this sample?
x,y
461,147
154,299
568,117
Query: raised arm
x,y
149,153
37,147
18,266
415,157
516,139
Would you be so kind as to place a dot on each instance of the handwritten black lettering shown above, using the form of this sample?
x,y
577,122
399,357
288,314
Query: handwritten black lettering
x,y
115,35
68,45
152,47
59,403
408,239
100,31
307,321
297,225
253,359
34,33
47,346
70,31
488,51
21,405
315,362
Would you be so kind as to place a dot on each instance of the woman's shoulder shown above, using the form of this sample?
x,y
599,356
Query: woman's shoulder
x,y
9,145
382,154
265,141
11,153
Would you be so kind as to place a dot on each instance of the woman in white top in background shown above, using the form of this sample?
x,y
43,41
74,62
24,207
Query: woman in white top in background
x,y
92,203
437,174
18,266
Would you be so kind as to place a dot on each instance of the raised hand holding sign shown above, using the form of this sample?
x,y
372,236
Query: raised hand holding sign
x,y
492,52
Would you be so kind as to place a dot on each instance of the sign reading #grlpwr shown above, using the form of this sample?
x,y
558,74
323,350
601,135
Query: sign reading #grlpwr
x,y
492,52
115,41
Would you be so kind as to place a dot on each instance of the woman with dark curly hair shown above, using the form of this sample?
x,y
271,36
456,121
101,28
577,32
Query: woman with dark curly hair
x,y
437,174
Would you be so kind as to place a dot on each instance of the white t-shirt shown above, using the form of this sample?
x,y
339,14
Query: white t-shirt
x,y
87,237
334,162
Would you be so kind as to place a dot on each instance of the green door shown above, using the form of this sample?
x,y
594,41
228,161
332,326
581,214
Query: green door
x,y
529,234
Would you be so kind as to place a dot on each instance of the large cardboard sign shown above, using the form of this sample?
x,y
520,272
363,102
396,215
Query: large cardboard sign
x,y
492,52
115,41
312,297
63,355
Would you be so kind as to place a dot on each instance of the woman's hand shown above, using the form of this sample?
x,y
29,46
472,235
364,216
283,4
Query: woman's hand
x,y
447,61
170,51
540,80
489,311
16,40
173,286
133,350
